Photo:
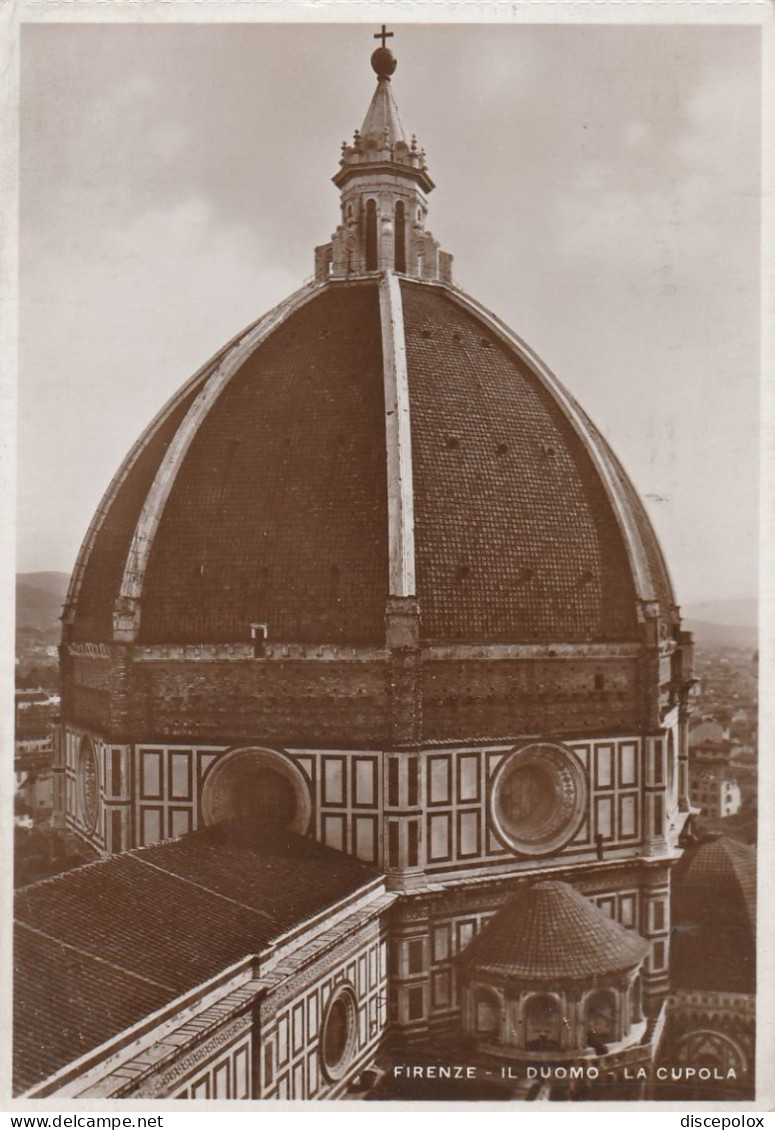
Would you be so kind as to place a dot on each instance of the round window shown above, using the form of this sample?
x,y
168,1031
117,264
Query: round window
x,y
337,1036
539,797
88,784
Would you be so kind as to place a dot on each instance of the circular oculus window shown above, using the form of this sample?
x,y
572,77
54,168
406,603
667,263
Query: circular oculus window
x,y
338,1033
539,798
88,784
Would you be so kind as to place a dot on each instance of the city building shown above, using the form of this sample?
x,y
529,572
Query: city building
x,y
707,730
715,791
34,779
35,711
713,783
36,715
370,654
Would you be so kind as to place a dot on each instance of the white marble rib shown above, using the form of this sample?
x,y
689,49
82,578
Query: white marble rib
x,y
121,475
127,614
398,438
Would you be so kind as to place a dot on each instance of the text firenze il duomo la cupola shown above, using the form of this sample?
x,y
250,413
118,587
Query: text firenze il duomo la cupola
x,y
374,706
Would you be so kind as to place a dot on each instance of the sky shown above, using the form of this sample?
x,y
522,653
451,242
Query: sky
x,y
599,187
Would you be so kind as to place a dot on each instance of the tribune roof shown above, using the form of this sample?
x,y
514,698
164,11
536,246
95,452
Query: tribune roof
x,y
551,932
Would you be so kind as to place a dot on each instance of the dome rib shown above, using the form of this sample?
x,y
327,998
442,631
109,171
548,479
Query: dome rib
x,y
124,471
550,932
278,512
127,604
398,440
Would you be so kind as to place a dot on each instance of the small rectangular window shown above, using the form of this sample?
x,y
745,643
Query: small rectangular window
x,y
268,1065
393,844
659,916
393,781
259,634
657,762
442,995
116,832
658,816
415,955
414,840
415,1003
411,781
441,943
116,785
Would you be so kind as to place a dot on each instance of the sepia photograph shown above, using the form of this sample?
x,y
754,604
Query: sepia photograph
x,y
386,559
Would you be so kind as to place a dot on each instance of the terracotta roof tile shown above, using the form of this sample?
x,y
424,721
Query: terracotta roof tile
x,y
101,946
515,538
65,1003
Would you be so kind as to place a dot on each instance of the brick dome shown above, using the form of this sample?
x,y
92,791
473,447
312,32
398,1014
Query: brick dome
x,y
263,492
714,916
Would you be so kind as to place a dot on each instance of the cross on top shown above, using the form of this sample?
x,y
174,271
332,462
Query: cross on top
x,y
383,35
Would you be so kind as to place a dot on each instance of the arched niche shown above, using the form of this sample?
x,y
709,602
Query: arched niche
x,y
257,783
601,1016
713,1050
371,235
486,1014
542,1018
672,763
400,236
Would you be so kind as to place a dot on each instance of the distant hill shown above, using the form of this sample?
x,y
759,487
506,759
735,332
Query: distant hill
x,y
715,623
742,613
722,635
39,599
724,623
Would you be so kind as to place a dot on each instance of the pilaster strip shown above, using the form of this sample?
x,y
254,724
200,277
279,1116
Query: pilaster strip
x,y
127,613
398,438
